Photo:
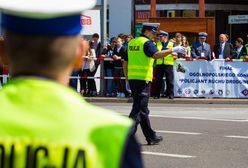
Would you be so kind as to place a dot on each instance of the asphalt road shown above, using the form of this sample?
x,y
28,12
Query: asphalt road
x,y
195,135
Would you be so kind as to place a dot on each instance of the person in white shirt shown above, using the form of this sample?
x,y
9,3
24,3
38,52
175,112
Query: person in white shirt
x,y
224,49
87,85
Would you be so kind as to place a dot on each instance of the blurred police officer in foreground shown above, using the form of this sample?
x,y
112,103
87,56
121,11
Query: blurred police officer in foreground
x,y
138,69
164,67
201,49
44,123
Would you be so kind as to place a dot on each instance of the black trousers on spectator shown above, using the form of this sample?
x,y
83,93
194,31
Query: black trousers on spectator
x,y
167,71
73,82
140,112
86,84
92,74
119,83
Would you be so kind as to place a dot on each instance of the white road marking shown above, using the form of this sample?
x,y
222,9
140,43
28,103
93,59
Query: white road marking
x,y
168,155
237,137
201,118
178,132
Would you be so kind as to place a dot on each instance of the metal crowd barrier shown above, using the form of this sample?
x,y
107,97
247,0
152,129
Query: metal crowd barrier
x,y
5,76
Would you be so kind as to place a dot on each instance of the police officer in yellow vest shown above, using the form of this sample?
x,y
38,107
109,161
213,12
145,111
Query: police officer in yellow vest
x,y
164,67
44,123
138,69
246,46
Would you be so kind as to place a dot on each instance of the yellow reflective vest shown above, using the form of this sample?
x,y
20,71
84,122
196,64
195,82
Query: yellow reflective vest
x,y
140,66
45,124
243,57
169,59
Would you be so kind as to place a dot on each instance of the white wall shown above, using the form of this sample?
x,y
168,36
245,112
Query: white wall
x,y
120,16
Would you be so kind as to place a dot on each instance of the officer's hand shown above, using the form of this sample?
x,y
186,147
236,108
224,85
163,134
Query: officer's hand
x,y
179,49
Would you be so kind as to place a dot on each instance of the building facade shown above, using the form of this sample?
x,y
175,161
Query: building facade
x,y
220,9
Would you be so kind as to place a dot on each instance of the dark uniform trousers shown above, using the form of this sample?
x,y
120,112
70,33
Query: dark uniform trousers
x,y
167,71
140,112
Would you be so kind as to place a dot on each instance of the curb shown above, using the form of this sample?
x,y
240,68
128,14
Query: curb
x,y
168,101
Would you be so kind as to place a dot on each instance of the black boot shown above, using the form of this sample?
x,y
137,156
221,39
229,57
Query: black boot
x,y
154,141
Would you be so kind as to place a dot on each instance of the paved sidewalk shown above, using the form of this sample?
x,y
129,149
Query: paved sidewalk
x,y
168,101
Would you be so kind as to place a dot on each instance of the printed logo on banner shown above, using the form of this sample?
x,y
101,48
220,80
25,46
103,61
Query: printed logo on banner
x,y
220,92
180,68
212,92
203,92
196,91
245,92
187,91
228,92
179,91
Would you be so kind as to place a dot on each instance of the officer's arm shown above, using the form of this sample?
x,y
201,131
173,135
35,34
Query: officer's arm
x,y
151,51
162,54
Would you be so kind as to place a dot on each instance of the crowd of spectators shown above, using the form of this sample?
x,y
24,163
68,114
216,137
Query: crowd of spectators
x,y
116,50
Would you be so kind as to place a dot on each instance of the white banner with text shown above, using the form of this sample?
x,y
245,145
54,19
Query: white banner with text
x,y
215,78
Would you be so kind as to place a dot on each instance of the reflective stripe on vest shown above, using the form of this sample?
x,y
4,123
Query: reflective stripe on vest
x,y
169,59
140,66
63,131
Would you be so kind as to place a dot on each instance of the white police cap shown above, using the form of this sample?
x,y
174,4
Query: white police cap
x,y
151,26
45,8
202,35
163,33
43,17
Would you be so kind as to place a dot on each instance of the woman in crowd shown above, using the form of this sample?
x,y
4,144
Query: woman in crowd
x,y
88,85
178,42
185,43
